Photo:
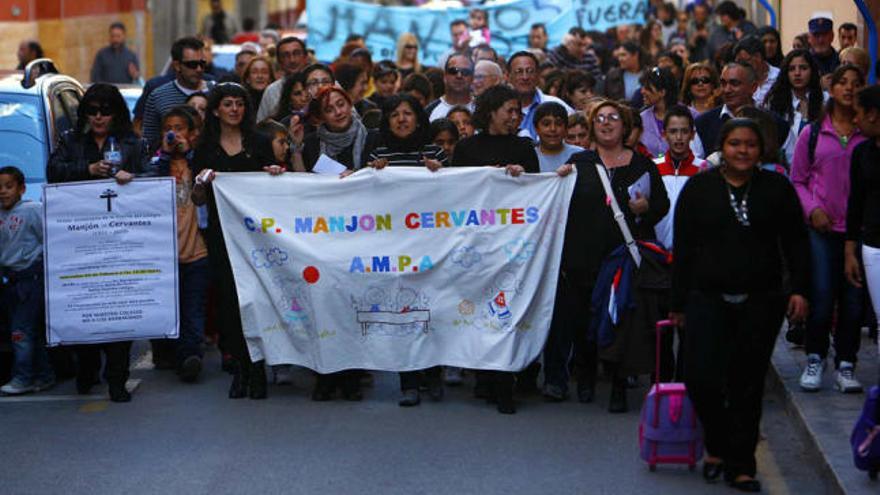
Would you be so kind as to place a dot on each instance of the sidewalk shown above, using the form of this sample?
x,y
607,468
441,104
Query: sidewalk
x,y
826,417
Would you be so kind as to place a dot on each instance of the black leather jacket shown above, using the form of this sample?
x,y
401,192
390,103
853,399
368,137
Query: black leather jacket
x,y
70,160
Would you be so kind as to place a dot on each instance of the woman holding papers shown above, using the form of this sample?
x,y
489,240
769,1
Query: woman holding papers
x,y
229,144
592,234
101,146
734,225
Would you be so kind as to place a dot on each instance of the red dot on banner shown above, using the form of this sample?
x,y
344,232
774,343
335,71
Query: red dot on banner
x,y
415,268
311,274
277,231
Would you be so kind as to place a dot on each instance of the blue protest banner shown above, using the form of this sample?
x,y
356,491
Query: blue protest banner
x,y
331,21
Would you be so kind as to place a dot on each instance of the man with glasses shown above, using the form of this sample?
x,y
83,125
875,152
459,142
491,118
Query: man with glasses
x,y
188,62
292,57
486,75
523,77
458,77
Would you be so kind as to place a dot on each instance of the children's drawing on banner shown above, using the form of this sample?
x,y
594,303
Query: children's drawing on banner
x,y
400,311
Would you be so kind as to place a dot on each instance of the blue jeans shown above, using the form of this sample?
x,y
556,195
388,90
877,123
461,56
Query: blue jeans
x,y
24,302
829,287
194,280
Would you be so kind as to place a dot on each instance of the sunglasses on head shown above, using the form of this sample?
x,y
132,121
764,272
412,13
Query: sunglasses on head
x,y
464,72
93,110
194,64
701,80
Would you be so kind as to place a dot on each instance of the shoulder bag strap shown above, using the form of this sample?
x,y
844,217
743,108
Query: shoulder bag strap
x,y
618,215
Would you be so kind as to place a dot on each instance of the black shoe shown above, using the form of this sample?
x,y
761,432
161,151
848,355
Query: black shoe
x,y
85,382
239,387
795,334
712,471
504,397
351,387
118,393
257,382
483,389
617,404
189,369
506,405
435,388
586,393
749,485
227,363
409,398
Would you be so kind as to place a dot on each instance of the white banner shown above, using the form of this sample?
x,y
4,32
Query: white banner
x,y
110,258
396,269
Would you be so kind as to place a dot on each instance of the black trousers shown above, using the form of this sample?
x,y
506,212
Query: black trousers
x,y
728,350
567,340
227,314
116,370
410,380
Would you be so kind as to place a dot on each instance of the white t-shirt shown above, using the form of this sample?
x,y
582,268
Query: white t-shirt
x,y
549,163
442,109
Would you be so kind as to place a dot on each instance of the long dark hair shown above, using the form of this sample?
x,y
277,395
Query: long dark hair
x,y
836,76
778,98
211,134
104,95
420,136
290,82
771,58
662,80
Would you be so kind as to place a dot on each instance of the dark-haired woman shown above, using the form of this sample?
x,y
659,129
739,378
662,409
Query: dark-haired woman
x,y
229,144
497,117
727,292
405,133
822,181
772,45
622,82
354,80
294,98
660,93
102,118
797,94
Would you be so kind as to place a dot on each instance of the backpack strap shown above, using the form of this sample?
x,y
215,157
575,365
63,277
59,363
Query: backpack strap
x,y
815,127
618,215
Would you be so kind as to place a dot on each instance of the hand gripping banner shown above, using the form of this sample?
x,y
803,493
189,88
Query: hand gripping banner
x,y
396,269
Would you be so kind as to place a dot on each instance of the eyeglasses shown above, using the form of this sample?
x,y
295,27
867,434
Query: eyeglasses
x,y
700,80
411,47
462,71
194,64
93,110
319,82
292,54
607,117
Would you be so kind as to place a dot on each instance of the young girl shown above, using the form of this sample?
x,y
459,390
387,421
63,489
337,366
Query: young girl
x,y
445,135
479,24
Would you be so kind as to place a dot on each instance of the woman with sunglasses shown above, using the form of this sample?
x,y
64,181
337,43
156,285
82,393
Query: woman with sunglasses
x,y
82,154
408,55
700,89
734,226
585,249
229,144
797,94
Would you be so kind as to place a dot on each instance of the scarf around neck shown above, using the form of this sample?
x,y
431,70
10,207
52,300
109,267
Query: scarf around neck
x,y
335,143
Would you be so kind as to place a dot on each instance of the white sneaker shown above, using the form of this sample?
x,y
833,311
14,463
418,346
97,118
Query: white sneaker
x,y
453,376
16,388
845,381
811,378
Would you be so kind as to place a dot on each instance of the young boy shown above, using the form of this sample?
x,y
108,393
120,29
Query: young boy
x,y
551,125
21,263
174,159
676,167
385,77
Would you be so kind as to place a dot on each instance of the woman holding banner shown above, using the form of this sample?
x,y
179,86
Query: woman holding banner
x,y
406,133
103,145
229,144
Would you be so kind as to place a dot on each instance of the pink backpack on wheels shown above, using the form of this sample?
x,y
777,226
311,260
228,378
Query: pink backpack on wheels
x,y
669,431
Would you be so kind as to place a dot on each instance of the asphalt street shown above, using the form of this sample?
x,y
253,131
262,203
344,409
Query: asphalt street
x,y
189,438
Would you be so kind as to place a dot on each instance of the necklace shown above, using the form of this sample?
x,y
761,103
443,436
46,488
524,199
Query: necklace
x,y
741,207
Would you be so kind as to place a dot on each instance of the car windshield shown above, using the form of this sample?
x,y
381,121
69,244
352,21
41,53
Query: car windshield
x,y
23,138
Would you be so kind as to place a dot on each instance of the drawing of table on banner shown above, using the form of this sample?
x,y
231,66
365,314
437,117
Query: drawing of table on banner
x,y
110,257
379,271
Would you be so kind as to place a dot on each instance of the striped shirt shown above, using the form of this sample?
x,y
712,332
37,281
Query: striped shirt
x,y
162,99
410,158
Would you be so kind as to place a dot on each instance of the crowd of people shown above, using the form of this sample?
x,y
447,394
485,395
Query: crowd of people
x,y
696,134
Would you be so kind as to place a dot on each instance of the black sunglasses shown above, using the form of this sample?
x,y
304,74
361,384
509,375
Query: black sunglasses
x,y
464,72
92,110
411,46
194,64
700,80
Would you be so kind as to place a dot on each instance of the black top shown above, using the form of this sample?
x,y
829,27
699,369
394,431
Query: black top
x,y
401,158
715,253
256,153
485,149
312,151
70,160
592,233
863,206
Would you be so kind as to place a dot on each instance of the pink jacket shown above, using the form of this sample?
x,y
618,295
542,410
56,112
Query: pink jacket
x,y
825,182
